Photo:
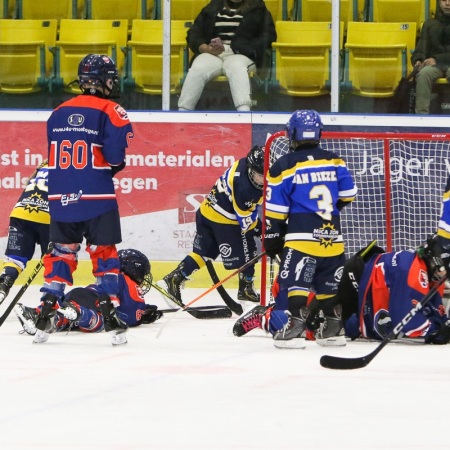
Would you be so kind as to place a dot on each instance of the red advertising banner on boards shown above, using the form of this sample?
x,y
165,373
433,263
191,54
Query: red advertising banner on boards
x,y
169,165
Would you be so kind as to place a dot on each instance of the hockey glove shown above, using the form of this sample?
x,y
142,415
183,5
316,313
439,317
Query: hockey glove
x,y
273,244
441,336
116,169
151,314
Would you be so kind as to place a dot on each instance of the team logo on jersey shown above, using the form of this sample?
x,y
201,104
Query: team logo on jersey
x,y
225,250
338,274
76,120
35,203
66,199
326,234
423,278
121,112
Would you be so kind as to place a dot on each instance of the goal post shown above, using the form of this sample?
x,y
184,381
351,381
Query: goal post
x,y
400,178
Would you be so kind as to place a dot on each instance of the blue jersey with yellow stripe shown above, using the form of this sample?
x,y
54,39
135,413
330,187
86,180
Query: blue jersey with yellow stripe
x,y
233,199
307,189
444,222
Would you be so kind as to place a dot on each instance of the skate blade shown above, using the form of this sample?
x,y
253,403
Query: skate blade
x,y
337,341
291,344
118,338
167,298
40,337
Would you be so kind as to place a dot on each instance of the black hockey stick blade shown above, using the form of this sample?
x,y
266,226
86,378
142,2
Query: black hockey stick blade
x,y
342,363
234,306
222,313
22,290
205,312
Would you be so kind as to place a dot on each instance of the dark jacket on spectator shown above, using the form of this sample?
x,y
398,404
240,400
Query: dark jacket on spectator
x,y
434,40
253,37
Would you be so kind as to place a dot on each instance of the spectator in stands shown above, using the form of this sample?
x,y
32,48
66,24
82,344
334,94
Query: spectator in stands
x,y
432,55
228,37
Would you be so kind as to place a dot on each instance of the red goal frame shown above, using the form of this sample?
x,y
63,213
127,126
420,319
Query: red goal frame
x,y
390,148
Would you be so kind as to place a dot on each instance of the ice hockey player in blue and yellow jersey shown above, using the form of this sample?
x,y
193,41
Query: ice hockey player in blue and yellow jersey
x,y
226,224
28,225
87,138
307,189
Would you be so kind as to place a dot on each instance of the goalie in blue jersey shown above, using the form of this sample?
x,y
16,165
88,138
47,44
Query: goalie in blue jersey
x,y
307,189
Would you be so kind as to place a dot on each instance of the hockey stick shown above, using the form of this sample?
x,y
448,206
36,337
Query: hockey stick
x,y
215,286
218,313
234,306
211,308
22,290
337,362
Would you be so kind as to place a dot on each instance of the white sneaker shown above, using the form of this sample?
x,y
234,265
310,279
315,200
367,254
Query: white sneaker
x,y
40,337
118,337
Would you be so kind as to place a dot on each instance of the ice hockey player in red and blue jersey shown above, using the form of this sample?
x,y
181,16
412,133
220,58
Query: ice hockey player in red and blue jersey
x,y
87,139
378,290
307,189
80,311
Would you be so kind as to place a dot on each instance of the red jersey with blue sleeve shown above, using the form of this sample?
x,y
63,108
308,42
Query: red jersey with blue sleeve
x,y
391,284
132,304
87,136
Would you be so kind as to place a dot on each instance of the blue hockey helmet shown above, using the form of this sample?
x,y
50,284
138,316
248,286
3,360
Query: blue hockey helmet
x,y
255,165
136,265
304,125
98,75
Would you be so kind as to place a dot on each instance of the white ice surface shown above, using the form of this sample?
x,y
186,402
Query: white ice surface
x,y
199,387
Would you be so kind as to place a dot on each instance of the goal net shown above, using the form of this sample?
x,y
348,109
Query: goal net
x,y
400,178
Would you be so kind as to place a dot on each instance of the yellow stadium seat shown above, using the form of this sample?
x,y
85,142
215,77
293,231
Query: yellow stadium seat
x,y
399,11
181,9
377,56
320,10
77,38
56,9
25,59
145,56
119,9
302,57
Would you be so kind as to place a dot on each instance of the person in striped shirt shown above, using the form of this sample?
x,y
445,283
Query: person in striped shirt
x,y
228,37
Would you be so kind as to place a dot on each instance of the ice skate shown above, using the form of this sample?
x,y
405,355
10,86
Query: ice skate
x,y
246,292
331,332
254,318
6,283
293,334
114,326
27,317
45,319
172,283
70,310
